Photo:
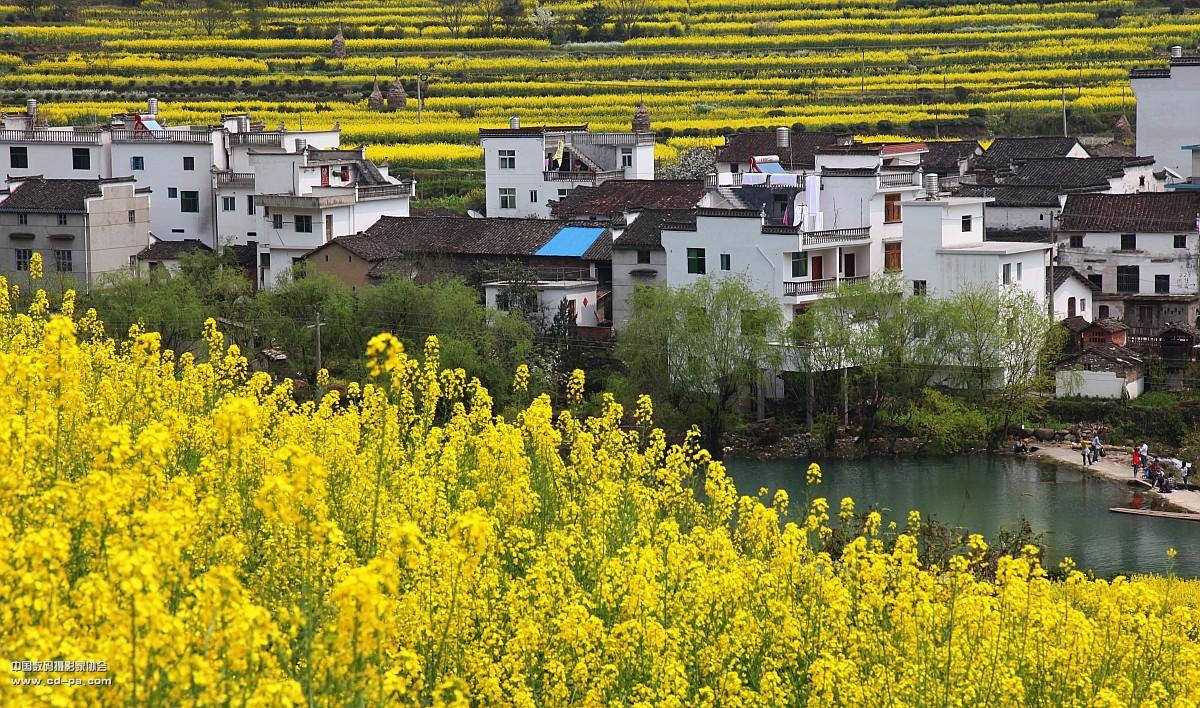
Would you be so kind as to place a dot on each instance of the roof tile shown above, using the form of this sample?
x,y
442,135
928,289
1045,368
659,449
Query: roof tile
x,y
1154,212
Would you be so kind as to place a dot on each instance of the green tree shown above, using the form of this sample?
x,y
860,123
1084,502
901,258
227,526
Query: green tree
x,y
695,348
286,315
254,17
163,303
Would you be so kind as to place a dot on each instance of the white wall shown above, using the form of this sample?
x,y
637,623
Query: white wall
x,y
1010,217
525,177
1096,384
624,282
1166,117
1084,304
1155,255
551,294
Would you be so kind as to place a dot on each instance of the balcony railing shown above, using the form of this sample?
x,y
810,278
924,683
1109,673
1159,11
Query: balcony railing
x,y
735,179
271,139
76,137
384,191
816,238
235,178
792,288
589,177
165,136
626,139
897,179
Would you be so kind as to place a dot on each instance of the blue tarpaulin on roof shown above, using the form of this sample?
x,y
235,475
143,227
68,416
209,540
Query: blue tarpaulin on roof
x,y
570,241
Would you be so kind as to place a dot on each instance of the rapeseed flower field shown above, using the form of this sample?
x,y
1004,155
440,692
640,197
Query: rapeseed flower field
x,y
211,540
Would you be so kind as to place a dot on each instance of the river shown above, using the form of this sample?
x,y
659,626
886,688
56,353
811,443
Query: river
x,y
983,493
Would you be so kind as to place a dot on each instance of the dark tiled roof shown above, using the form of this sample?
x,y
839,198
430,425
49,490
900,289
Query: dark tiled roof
x,y
1033,234
1114,149
1107,350
1012,195
1076,324
1109,324
1160,212
170,250
1069,172
646,230
943,157
39,194
1004,151
393,236
614,197
1189,330
246,254
740,147
1063,273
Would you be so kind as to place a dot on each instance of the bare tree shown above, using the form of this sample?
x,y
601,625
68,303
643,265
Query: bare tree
x,y
626,14
490,9
543,20
451,13
211,14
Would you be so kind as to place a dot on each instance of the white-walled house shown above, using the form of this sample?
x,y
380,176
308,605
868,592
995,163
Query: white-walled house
x,y
580,295
1168,101
525,169
83,228
945,251
1072,294
1140,251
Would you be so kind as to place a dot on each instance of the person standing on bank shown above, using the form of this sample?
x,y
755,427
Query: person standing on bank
x,y
1096,447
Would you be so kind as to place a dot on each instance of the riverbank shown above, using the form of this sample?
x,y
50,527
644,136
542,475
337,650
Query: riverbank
x,y
1117,467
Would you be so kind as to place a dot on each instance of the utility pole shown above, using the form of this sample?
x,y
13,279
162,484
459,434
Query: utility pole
x,y
317,326
1063,94
862,78
421,79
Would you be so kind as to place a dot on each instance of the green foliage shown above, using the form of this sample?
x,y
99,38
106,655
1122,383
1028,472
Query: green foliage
x,y
946,424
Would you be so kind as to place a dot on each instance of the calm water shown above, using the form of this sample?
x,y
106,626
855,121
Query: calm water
x,y
983,493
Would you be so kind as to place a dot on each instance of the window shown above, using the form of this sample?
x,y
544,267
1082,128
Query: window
x,y
695,260
172,193
508,159
62,219
228,203
137,162
1077,241
533,196
1018,271
1142,180
1097,279
81,158
643,257
264,260
189,202
891,209
891,256
508,198
189,163
1128,242
1083,304
132,216
1007,277
250,204
62,261
303,224
1102,312
800,264
725,262
277,221
562,193
966,224
1127,279
626,157
18,157
23,256
22,219
1180,241
1162,284
919,287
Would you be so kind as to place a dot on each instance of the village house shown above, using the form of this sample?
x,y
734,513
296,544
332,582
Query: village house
x,y
794,151
1168,100
1082,333
612,199
1101,371
84,229
1004,153
167,256
558,259
1071,293
527,168
1140,251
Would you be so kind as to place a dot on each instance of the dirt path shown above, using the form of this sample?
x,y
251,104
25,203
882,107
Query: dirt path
x,y
1116,466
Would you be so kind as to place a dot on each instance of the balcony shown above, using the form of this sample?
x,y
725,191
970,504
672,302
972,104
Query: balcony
x,y
385,191
832,237
620,139
794,288
232,178
893,180
268,139
41,135
773,180
163,136
582,177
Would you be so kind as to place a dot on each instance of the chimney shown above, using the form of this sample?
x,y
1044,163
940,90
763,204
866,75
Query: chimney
x,y
514,122
152,106
783,137
931,185
1176,52
301,144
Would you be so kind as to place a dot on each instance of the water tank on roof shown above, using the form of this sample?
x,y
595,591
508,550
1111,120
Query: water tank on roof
x,y
514,122
1176,52
931,185
783,137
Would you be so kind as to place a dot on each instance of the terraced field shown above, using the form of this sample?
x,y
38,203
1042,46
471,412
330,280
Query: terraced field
x,y
703,67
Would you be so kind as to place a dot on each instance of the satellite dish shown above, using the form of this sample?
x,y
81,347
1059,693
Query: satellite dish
x,y
474,214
